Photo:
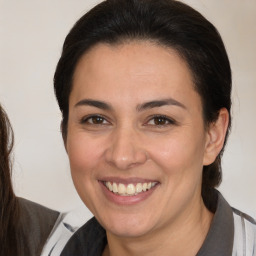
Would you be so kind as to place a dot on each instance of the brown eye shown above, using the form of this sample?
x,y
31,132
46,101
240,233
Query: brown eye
x,y
97,120
94,120
160,121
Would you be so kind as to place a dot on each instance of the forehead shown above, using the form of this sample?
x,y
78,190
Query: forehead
x,y
138,69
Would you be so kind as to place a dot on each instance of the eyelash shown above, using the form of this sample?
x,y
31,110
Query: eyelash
x,y
85,120
163,118
167,121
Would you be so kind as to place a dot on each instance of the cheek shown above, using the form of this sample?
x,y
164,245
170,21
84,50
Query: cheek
x,y
83,152
178,153
84,162
180,160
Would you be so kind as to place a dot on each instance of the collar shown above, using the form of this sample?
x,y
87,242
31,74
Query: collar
x,y
220,238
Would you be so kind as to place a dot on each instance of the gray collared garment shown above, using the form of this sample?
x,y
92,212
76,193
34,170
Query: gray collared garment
x,y
36,223
232,233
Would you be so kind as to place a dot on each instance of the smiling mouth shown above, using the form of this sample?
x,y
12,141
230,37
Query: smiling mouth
x,y
129,189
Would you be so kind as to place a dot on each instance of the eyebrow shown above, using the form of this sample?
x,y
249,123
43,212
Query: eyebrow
x,y
160,103
94,103
147,105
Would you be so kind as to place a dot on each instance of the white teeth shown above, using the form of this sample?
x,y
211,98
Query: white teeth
x,y
115,189
109,186
121,189
130,189
138,188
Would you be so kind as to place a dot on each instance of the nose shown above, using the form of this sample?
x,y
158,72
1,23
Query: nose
x,y
125,150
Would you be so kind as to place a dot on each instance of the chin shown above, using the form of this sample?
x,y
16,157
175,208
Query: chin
x,y
127,225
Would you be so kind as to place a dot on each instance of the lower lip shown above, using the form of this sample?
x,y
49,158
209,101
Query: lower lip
x,y
126,200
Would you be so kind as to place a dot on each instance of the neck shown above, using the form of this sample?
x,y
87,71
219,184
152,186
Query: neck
x,y
184,237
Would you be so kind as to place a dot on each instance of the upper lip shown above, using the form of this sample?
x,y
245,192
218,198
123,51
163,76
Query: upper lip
x,y
131,180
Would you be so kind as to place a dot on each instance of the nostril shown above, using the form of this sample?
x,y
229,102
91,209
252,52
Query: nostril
x,y
125,159
125,150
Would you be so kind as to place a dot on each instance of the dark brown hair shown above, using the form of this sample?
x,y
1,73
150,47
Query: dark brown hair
x,y
9,209
169,23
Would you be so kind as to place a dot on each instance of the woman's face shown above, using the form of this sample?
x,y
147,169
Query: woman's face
x,y
136,138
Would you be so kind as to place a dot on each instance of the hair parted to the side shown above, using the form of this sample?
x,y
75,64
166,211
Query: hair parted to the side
x,y
166,22
9,210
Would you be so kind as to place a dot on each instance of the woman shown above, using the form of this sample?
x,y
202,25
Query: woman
x,y
24,226
144,88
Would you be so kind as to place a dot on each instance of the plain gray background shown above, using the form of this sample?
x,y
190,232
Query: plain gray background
x,y
31,37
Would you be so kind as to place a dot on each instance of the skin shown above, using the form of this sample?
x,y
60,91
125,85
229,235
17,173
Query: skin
x,y
127,141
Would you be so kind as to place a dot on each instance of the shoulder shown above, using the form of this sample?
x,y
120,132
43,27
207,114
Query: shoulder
x,y
37,212
234,229
244,217
245,233
36,224
38,218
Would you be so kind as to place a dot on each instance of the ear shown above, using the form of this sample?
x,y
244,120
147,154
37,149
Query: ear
x,y
215,137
